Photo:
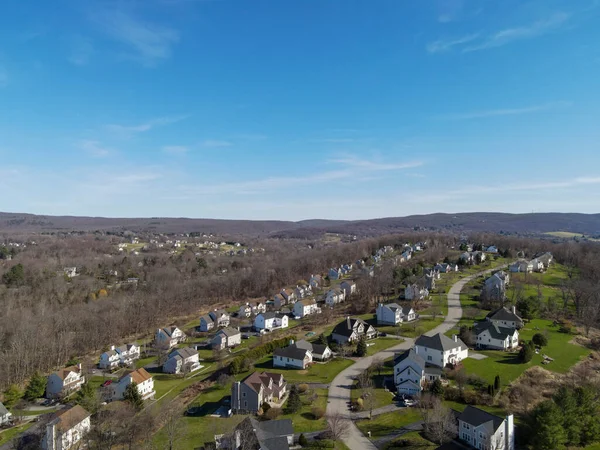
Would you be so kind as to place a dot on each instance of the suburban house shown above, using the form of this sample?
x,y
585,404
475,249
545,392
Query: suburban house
x,y
319,352
5,415
521,266
350,330
393,314
182,360
206,323
335,296
412,373
491,336
415,292
406,255
315,281
408,314
429,281
245,310
346,269
303,291
349,287
64,382
546,259
472,257
481,430
495,286
248,395
305,307
168,337
66,429
225,338
537,265
220,317
292,356
439,350
289,295
109,359
70,271
259,308
279,301
270,321
433,272
492,249
446,268
334,274
143,381
128,353
255,434
504,317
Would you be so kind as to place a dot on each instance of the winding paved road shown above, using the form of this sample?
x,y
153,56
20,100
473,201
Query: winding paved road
x,y
339,392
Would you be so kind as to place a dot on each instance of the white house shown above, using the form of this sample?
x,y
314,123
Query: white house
x,y
433,272
492,249
303,291
259,308
245,310
335,296
207,323
439,350
415,292
182,360
491,336
412,373
315,281
226,337
168,337
289,295
504,317
220,317
390,314
143,380
482,430
128,353
5,415
495,286
305,307
292,357
319,352
110,359
537,265
446,267
521,266
66,429
335,274
408,314
270,321
350,330
349,287
64,382
70,271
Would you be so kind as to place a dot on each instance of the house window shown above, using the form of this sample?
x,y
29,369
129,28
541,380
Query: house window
x,y
245,403
429,358
243,394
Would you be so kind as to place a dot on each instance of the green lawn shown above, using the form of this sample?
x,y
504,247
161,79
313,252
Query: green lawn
x,y
317,373
34,413
144,361
507,365
387,423
7,435
412,440
382,397
376,345
303,420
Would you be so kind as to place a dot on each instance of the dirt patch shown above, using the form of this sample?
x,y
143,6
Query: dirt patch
x,y
302,372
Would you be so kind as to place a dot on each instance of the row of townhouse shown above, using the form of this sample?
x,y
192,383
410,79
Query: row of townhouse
x,y
214,319
123,355
538,264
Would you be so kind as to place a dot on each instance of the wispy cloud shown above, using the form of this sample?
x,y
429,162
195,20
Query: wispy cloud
x,y
81,50
94,148
215,143
505,112
175,149
364,164
478,41
143,127
3,77
146,42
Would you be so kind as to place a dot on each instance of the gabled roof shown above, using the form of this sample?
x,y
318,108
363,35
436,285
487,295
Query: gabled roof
x,y
138,376
406,310
440,342
207,318
307,302
495,331
347,326
477,417
267,435
269,315
411,355
257,379
66,419
393,306
229,331
291,351
3,410
170,330
503,314
64,373
186,352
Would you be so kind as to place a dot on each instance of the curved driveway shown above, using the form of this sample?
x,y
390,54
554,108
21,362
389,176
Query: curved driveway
x,y
339,392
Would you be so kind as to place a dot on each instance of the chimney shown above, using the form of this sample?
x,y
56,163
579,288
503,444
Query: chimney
x,y
416,349
291,342
514,309
509,432
79,367
455,337
112,347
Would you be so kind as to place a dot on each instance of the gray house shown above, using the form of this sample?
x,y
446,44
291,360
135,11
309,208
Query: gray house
x,y
350,330
248,395
251,433
480,429
5,415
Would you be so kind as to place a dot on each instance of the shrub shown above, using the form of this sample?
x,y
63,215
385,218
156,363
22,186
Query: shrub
x,y
526,353
265,407
318,412
360,404
302,440
302,388
452,394
565,327
540,340
272,413
437,388
477,382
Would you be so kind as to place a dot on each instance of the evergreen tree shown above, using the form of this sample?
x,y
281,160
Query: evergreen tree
x,y
361,348
588,416
566,401
294,403
526,352
547,427
497,383
437,388
539,339
12,395
36,387
15,276
302,440
87,397
132,395
322,340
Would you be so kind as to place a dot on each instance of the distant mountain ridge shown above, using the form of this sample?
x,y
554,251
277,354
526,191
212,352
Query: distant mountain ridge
x,y
588,224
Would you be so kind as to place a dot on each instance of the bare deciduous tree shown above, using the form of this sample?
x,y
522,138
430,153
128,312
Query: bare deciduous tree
x,y
438,421
338,426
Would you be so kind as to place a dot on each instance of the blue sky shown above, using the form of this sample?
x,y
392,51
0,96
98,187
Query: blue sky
x,y
296,109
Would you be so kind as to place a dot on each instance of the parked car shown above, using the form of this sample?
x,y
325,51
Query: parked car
x,y
408,402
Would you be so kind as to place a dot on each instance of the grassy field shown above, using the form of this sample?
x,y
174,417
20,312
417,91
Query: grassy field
x,y
412,440
7,435
382,397
387,423
317,373
508,366
376,345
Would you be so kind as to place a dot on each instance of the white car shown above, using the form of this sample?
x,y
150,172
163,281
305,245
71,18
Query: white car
x,y
408,402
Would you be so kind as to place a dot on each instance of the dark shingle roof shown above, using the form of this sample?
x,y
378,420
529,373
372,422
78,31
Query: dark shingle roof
x,y
291,351
409,354
476,417
185,352
495,331
228,331
440,342
3,410
319,349
268,435
503,314
346,327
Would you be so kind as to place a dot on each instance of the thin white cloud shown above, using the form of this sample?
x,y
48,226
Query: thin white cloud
x,y
476,42
363,164
175,149
505,112
145,42
3,77
443,45
81,50
215,143
143,127
94,148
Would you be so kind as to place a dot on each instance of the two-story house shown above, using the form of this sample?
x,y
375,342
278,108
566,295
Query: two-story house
x,y
334,273
279,301
220,317
168,337
416,292
521,266
5,415
393,314
495,286
335,296
439,350
303,291
350,330
182,360
292,357
270,321
128,353
143,381
482,430
488,335
207,323
412,373
305,307
248,395
245,310
226,338
289,295
109,359
255,434
504,317
64,382
315,281
66,429
320,352
349,287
